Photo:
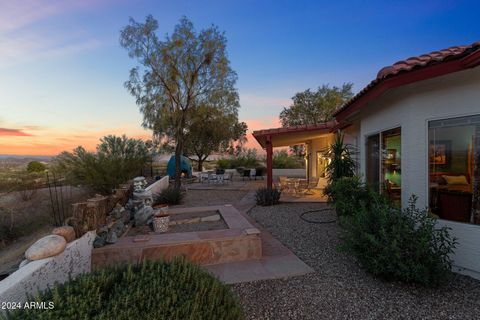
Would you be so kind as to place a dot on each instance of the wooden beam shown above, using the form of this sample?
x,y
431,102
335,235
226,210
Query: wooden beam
x,y
269,147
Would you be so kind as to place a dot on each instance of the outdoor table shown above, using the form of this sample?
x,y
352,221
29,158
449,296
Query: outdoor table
x,y
292,184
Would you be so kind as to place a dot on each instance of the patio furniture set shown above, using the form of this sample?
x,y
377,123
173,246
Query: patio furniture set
x,y
297,186
218,176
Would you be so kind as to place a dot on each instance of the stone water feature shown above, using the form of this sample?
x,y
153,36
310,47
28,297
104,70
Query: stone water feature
x,y
137,211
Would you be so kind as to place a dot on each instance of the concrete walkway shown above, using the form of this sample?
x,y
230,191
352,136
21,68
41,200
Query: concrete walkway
x,y
277,260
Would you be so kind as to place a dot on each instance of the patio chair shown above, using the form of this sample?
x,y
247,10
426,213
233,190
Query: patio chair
x,y
258,173
212,177
228,177
302,187
282,183
246,174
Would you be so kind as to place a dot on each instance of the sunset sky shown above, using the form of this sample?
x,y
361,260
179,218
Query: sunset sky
x,y
62,69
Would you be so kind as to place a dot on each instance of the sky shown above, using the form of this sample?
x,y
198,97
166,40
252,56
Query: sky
x,y
62,69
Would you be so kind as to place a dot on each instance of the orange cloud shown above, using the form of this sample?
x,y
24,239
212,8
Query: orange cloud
x,y
52,142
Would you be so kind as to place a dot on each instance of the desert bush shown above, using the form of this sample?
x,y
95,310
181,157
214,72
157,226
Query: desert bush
x,y
8,227
282,160
117,160
36,166
170,196
267,196
247,159
152,290
348,194
27,188
399,245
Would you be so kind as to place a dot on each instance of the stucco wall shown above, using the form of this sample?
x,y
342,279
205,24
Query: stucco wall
x,y
314,146
39,274
298,173
411,107
159,185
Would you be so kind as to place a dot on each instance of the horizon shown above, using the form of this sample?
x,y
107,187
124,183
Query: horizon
x,y
63,68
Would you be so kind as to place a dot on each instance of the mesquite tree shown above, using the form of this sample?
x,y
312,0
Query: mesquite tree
x,y
214,130
175,76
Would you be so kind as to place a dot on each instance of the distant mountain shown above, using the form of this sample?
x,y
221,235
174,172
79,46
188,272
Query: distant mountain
x,y
24,158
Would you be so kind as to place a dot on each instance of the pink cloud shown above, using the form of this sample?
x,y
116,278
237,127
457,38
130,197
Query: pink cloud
x,y
13,133
259,124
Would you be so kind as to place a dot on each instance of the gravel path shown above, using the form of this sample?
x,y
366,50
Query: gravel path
x,y
340,289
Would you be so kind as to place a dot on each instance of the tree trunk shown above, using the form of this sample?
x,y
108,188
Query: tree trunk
x,y
178,168
200,164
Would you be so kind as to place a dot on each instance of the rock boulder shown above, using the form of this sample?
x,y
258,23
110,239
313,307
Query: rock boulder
x,y
65,231
45,247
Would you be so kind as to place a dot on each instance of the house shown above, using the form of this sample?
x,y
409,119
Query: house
x,y
416,128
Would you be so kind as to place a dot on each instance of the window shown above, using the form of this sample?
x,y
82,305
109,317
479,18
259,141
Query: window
x,y
383,162
453,155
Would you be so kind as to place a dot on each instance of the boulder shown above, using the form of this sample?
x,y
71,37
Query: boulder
x,y
111,237
145,196
99,242
23,263
65,231
45,247
143,216
118,227
118,211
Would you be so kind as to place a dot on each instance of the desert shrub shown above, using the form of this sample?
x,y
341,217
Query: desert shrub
x,y
117,160
348,194
267,196
399,245
26,187
246,158
282,160
152,290
8,226
170,196
36,166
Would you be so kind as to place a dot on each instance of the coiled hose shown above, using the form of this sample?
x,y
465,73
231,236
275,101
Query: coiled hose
x,y
316,221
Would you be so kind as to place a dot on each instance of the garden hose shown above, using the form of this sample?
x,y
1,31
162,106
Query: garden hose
x,y
313,221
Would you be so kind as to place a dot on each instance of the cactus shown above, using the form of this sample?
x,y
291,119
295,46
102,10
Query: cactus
x,y
151,290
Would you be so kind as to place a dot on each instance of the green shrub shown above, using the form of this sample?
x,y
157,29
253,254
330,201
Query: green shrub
x,y
282,160
152,290
117,160
267,197
399,245
348,194
36,166
247,159
170,196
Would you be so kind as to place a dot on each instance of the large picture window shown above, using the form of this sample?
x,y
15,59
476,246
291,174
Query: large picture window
x,y
453,160
383,162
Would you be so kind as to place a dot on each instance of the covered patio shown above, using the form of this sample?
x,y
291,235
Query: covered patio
x,y
316,139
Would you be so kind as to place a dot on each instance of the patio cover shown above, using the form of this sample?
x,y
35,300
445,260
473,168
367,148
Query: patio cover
x,y
287,136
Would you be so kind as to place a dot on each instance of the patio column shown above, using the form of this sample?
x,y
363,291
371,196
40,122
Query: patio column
x,y
269,147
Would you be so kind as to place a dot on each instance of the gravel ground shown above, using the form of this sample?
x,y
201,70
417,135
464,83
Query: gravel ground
x,y
339,288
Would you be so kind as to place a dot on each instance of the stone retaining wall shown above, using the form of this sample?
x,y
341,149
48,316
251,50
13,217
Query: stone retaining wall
x,y
40,274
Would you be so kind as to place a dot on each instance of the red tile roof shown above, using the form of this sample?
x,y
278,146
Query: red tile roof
x,y
261,135
300,128
415,63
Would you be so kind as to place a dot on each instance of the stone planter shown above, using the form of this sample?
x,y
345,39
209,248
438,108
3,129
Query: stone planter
x,y
161,221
